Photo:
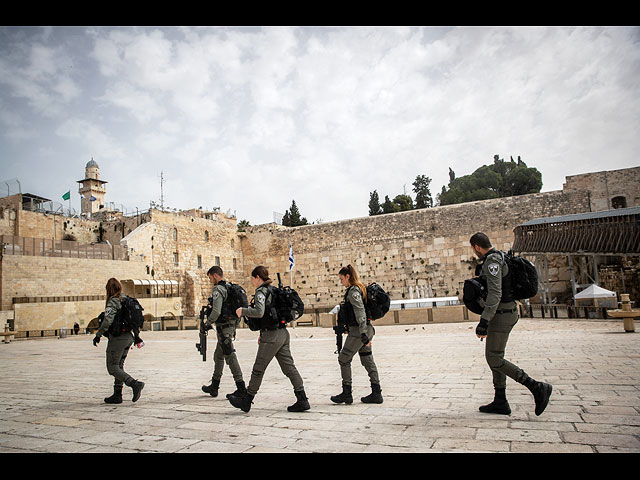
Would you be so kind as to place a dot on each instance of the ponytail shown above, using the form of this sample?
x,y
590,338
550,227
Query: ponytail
x,y
263,273
353,279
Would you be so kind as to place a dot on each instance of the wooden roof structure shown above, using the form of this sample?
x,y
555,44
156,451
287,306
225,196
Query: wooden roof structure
x,y
607,232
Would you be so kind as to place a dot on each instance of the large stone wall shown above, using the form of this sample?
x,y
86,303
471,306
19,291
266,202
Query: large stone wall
x,y
27,276
427,247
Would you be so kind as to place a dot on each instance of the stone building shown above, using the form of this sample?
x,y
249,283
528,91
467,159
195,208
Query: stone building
x,y
91,189
424,249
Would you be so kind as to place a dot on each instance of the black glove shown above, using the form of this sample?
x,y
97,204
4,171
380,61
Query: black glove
x,y
96,340
481,329
364,338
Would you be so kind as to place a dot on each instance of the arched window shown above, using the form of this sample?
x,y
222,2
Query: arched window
x,y
175,234
206,235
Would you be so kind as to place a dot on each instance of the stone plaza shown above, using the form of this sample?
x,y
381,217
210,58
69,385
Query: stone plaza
x,y
433,377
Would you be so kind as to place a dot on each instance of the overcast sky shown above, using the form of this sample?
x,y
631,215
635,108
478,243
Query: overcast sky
x,y
247,119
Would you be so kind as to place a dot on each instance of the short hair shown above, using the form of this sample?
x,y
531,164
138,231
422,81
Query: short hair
x,y
481,240
215,269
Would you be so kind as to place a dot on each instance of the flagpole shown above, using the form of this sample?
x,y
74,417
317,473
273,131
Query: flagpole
x,y
291,264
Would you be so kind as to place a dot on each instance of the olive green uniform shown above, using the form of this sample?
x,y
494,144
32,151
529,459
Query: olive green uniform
x,y
354,341
226,333
501,312
273,342
118,346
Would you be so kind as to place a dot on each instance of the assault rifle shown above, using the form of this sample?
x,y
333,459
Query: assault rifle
x,y
340,328
204,313
339,331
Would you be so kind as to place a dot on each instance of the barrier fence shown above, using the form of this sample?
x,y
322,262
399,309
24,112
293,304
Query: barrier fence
x,y
48,247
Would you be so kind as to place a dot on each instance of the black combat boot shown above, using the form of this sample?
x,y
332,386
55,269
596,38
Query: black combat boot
x,y
301,404
344,397
116,397
213,388
375,396
499,404
541,392
240,389
137,388
242,401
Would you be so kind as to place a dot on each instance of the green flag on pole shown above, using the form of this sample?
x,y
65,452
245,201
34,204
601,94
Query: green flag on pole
x,y
67,195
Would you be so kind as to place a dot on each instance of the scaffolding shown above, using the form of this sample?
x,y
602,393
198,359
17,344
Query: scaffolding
x,y
583,238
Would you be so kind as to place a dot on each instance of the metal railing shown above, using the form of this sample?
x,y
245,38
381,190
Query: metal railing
x,y
48,247
538,310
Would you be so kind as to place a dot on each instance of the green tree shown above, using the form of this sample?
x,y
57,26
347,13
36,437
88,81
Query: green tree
x,y
374,203
422,191
242,225
403,203
292,218
501,179
388,206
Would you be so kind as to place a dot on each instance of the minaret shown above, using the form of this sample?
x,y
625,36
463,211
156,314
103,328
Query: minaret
x,y
91,189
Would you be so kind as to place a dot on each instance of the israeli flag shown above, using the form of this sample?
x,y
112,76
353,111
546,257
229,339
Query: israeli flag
x,y
291,261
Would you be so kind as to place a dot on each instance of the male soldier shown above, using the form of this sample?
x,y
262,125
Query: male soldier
x,y
225,320
499,316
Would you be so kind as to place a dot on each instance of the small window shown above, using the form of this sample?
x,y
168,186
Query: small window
x,y
218,261
235,264
175,258
232,243
199,261
206,235
175,234
619,202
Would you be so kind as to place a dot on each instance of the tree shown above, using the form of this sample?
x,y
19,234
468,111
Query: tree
x,y
292,216
403,203
374,203
422,191
388,206
242,225
501,179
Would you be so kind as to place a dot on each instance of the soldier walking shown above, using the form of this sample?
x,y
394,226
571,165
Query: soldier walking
x,y
273,342
499,316
360,333
225,321
118,346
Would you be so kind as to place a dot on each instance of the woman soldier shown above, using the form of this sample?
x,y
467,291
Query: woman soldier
x,y
272,342
118,346
358,340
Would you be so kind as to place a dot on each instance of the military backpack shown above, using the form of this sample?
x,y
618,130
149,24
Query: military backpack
x,y
129,318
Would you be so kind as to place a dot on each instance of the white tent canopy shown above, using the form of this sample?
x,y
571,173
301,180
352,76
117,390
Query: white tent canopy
x,y
594,291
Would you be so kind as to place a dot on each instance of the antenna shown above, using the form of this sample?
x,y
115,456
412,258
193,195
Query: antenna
x,y
161,191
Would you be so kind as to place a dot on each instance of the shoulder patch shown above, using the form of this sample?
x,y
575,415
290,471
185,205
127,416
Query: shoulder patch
x,y
494,269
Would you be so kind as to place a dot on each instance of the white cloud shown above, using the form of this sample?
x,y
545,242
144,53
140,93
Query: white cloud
x,y
322,115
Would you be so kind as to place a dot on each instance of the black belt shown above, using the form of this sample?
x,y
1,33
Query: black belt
x,y
510,310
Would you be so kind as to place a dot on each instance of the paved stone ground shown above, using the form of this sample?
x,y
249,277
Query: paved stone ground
x,y
433,377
